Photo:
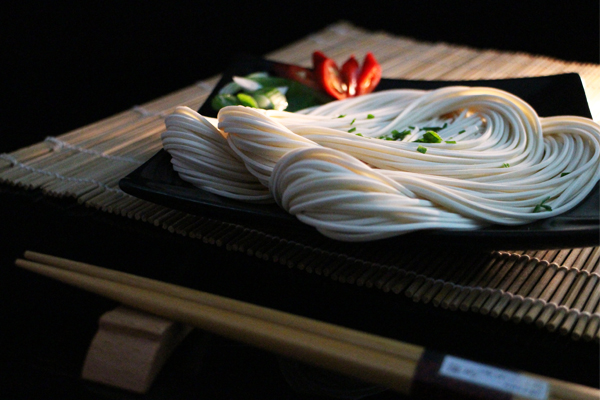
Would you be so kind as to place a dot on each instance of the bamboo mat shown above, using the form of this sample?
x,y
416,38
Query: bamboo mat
x,y
554,289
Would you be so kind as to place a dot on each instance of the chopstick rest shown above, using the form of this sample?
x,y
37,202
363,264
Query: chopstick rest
x,y
130,348
400,366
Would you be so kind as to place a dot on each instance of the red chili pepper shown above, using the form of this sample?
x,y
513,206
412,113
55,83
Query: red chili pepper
x,y
329,77
318,58
350,71
370,75
352,80
299,74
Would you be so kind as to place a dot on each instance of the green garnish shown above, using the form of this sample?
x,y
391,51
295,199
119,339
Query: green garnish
x,y
564,173
352,121
434,128
430,137
461,132
400,135
224,100
542,206
451,141
269,92
370,116
247,100
359,134
422,149
505,165
269,99
411,127
352,130
341,115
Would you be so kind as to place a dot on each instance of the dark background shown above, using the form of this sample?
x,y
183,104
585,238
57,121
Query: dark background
x,y
68,64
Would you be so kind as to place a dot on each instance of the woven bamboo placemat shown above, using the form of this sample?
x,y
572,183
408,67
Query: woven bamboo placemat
x,y
555,289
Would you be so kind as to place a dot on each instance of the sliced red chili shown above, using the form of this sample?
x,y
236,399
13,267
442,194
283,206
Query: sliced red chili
x,y
296,73
369,76
352,80
328,75
350,71
318,58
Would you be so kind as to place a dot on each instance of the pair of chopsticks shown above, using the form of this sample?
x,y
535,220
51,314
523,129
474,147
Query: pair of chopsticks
x,y
371,358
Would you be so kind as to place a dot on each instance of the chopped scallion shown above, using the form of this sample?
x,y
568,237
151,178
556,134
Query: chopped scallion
x,y
542,206
434,128
422,149
505,165
370,116
430,137
400,135
564,173
247,100
341,115
461,132
224,100
352,130
353,121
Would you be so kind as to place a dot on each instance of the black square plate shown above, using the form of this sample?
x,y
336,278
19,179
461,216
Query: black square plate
x,y
564,94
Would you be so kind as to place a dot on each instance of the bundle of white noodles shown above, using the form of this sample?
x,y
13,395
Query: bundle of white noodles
x,y
497,161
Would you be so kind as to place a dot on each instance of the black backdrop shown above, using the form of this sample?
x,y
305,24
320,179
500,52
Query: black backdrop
x,y
68,64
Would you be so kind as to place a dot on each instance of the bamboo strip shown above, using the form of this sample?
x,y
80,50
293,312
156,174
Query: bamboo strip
x,y
265,250
189,228
461,292
273,251
197,231
576,296
236,234
405,273
526,282
493,304
585,296
486,282
560,289
359,271
433,268
538,293
185,224
145,214
130,212
173,218
460,277
592,328
488,298
584,316
217,233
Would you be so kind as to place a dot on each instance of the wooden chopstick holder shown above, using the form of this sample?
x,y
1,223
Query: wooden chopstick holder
x,y
407,368
130,348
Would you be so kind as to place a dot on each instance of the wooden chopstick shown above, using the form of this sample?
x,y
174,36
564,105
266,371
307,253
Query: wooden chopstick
x,y
294,321
367,364
399,366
